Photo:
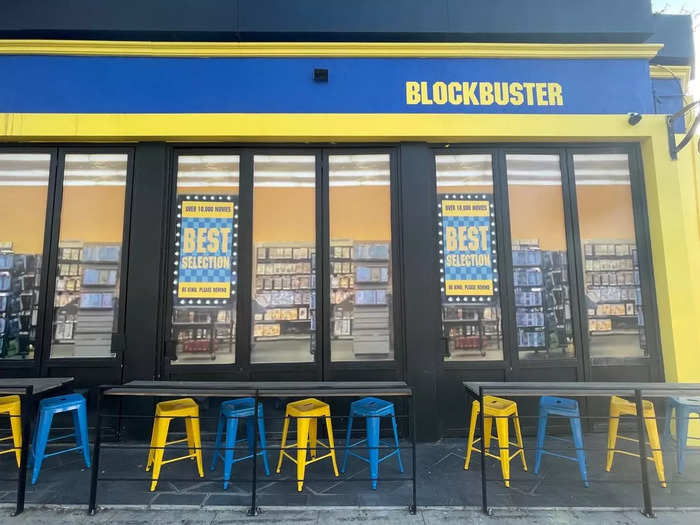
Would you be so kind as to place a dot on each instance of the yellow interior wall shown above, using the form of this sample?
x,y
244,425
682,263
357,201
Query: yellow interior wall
x,y
22,217
92,214
89,214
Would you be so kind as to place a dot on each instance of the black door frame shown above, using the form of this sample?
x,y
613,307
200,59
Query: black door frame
x,y
321,367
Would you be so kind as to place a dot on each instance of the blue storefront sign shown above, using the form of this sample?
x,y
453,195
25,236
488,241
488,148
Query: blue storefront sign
x,y
72,84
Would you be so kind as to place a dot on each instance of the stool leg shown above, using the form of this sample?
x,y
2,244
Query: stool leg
x,y
193,428
163,424
503,447
217,441
42,437
396,441
331,443
189,436
682,417
653,435
302,442
612,439
372,423
347,442
313,436
16,426
519,438
285,429
81,433
668,411
470,436
541,432
231,434
154,440
486,438
250,433
263,441
577,434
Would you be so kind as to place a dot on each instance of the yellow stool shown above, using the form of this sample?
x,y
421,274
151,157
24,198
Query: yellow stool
x,y
622,407
306,411
502,410
12,406
166,411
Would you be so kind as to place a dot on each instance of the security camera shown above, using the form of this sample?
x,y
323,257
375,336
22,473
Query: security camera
x,y
634,118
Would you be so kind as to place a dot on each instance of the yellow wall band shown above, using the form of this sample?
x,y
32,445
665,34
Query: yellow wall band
x,y
305,127
325,49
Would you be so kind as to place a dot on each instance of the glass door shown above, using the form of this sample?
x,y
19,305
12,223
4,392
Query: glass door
x,y
89,255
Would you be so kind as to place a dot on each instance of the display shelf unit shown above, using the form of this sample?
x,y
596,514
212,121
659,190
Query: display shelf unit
x,y
611,277
99,291
66,295
342,289
285,292
528,280
203,332
371,328
19,302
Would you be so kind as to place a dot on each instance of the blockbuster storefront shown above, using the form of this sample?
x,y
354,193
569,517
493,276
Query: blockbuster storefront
x,y
445,196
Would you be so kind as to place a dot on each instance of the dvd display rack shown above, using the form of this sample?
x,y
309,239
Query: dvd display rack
x,y
611,276
97,308
203,332
342,289
285,292
371,328
19,302
541,289
67,292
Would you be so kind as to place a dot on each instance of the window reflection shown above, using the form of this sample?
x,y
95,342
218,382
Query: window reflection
x,y
614,309
86,301
24,181
540,272
472,331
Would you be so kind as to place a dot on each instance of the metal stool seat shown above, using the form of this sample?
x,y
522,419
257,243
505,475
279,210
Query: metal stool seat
x,y
684,407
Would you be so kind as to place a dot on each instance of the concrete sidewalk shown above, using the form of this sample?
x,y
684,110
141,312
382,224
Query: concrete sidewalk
x,y
187,515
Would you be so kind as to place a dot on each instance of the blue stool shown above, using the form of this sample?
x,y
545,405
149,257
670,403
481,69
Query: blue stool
x,y
372,409
229,413
684,406
559,406
49,406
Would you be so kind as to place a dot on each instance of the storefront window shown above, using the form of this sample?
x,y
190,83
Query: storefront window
x,y
615,314
540,272
86,301
284,259
471,307
360,257
204,305
24,182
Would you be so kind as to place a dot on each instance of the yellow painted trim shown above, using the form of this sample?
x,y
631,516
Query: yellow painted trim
x,y
682,73
321,127
325,49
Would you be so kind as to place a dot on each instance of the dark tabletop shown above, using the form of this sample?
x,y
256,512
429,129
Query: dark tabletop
x,y
581,388
262,388
40,385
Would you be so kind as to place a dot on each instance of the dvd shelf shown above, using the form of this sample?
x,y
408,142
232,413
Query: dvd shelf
x,y
542,311
203,332
97,307
342,289
67,293
371,328
611,276
285,292
19,302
